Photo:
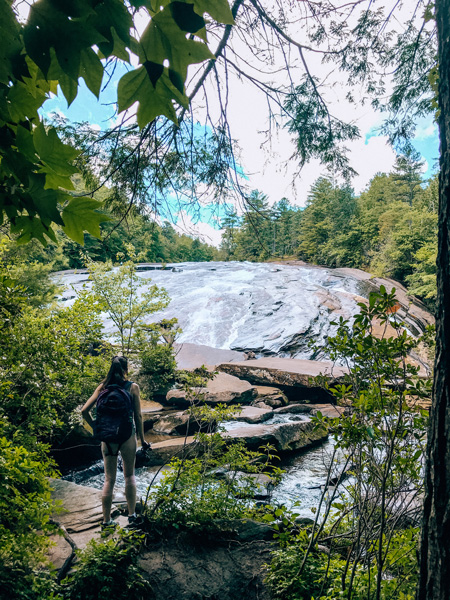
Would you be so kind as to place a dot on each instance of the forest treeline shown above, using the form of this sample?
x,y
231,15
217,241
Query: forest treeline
x,y
390,229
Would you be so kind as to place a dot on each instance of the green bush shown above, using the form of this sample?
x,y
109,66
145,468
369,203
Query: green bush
x,y
213,480
25,510
315,580
108,570
158,366
371,519
47,371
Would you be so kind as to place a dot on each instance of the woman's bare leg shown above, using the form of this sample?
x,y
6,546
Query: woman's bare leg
x,y
128,452
110,462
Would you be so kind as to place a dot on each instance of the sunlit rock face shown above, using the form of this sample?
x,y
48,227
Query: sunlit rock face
x,y
269,309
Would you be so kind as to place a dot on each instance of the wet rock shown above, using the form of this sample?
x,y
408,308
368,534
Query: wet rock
x,y
295,409
253,414
222,389
149,420
285,437
79,447
254,485
289,372
193,356
328,410
272,396
262,405
180,423
304,521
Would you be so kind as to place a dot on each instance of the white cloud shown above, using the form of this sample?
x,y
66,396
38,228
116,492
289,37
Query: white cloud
x,y
426,130
204,231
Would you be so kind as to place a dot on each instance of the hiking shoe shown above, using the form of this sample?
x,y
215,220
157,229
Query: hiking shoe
x,y
108,527
134,522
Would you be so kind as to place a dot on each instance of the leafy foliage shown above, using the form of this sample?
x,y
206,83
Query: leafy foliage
x,y
46,366
157,355
366,525
108,569
57,45
25,510
117,292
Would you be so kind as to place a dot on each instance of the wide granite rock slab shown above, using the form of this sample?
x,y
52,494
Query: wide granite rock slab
x,y
285,437
289,372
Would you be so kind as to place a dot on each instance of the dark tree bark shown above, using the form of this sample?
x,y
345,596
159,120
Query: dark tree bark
x,y
435,544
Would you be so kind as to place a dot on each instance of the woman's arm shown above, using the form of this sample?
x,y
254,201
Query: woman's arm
x,y
85,411
135,394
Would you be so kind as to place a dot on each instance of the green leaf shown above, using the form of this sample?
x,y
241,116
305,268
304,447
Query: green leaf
x,y
55,156
10,40
218,9
79,216
184,16
91,70
154,71
24,101
45,201
136,86
164,40
68,28
32,227
69,88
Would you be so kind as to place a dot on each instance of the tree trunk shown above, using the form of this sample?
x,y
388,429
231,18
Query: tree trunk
x,y
434,581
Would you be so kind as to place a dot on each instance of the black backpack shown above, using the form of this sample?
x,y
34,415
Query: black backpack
x,y
114,419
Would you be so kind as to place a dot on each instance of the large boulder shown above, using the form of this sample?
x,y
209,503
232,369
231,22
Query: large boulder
x,y
229,564
179,423
193,356
78,448
327,410
222,389
287,372
285,437
271,396
253,414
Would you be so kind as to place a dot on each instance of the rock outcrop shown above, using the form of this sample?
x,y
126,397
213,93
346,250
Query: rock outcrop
x,y
253,414
285,437
226,565
271,396
222,389
286,372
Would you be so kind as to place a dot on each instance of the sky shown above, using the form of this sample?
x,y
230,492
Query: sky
x,y
270,167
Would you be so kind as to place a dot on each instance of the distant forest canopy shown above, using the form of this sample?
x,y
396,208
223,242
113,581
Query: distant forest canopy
x,y
390,229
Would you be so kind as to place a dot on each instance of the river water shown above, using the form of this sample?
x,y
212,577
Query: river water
x,y
270,309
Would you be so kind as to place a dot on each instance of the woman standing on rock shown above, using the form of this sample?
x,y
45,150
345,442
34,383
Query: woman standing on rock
x,y
118,419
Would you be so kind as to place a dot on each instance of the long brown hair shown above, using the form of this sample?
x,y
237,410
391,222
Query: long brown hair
x,y
117,371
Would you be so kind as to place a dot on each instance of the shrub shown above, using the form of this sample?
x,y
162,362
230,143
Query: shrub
x,y
25,510
371,521
106,570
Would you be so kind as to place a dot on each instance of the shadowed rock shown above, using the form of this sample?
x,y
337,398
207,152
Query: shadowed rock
x,y
287,372
222,389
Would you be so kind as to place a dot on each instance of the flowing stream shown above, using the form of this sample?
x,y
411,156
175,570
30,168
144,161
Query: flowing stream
x,y
266,308
270,309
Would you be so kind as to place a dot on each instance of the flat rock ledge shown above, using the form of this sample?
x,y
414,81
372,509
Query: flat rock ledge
x,y
285,437
222,389
227,566
287,372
